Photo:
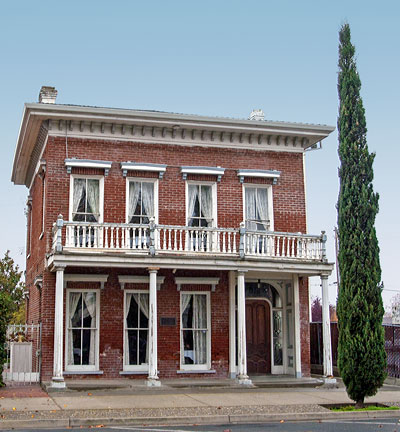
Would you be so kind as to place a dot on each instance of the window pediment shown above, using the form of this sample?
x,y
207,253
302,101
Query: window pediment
x,y
87,163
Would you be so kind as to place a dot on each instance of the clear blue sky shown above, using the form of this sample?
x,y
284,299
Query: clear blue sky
x,y
220,58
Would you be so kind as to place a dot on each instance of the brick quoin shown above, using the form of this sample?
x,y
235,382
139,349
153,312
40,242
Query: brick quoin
x,y
289,216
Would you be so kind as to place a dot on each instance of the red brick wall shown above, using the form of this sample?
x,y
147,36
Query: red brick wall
x,y
289,215
168,305
304,327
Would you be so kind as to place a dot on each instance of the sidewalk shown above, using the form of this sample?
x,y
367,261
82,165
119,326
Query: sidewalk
x,y
139,405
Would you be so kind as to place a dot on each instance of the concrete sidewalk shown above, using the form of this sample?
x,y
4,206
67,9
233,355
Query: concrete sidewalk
x,y
170,405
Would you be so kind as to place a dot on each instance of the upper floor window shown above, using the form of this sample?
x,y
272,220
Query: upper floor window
x,y
201,205
258,211
86,199
141,201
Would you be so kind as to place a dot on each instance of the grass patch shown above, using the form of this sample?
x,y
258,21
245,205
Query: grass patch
x,y
366,408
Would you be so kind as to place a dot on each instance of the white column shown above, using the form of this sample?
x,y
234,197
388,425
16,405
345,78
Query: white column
x,y
297,338
58,379
152,379
242,376
326,328
232,325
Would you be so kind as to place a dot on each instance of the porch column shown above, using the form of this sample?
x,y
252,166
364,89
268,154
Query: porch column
x,y
297,333
232,325
152,379
242,376
326,328
58,378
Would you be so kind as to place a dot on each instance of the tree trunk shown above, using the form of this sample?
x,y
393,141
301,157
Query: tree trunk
x,y
360,404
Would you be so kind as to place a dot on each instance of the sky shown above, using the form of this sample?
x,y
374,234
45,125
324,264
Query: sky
x,y
215,58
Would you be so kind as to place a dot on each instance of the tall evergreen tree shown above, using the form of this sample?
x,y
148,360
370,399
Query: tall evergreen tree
x,y
361,351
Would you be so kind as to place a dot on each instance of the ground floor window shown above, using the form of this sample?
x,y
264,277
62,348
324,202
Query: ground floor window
x,y
195,330
82,330
136,330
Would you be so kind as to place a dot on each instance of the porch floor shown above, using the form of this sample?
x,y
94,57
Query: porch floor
x,y
123,385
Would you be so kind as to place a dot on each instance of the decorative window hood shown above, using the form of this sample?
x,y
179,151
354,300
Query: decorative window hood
x,y
102,279
139,166
139,280
218,171
87,163
179,281
272,174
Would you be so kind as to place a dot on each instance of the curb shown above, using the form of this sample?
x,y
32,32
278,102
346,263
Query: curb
x,y
182,420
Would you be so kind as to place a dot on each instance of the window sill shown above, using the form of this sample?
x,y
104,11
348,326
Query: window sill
x,y
134,373
83,372
199,371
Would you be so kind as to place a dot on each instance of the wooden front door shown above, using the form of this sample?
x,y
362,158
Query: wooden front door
x,y
258,336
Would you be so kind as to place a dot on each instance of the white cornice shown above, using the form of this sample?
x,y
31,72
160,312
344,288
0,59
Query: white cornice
x,y
157,128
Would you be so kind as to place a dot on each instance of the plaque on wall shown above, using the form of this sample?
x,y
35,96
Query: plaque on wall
x,y
168,321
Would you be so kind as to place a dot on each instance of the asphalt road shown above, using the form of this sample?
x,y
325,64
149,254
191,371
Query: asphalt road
x,y
383,425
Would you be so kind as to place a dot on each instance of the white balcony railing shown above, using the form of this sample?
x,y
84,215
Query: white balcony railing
x,y
166,239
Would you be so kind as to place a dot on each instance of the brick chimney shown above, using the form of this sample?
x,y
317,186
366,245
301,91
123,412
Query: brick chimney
x,y
47,95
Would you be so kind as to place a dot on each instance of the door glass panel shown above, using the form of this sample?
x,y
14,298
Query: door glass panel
x,y
277,337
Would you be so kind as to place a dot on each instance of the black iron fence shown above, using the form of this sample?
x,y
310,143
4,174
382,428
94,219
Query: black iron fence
x,y
392,347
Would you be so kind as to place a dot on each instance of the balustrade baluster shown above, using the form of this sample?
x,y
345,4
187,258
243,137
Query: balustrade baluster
x,y
175,247
169,239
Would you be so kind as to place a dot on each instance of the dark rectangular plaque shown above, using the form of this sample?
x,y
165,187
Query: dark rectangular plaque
x,y
168,321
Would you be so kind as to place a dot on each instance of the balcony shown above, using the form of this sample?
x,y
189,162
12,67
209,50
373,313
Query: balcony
x,y
158,240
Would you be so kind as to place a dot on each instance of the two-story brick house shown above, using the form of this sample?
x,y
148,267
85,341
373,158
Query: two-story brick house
x,y
165,245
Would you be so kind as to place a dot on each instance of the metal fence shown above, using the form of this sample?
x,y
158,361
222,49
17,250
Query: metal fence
x,y
392,346
23,346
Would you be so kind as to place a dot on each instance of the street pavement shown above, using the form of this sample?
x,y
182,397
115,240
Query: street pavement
x,y
30,407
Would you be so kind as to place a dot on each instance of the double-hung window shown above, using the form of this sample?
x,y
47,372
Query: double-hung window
x,y
195,331
258,211
82,338
141,206
136,330
86,202
201,212
141,202
201,205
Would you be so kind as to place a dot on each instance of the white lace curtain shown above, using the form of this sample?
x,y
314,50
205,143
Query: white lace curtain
x,y
145,191
193,195
202,193
90,303
199,325
73,304
91,188
88,309
142,300
93,198
256,201
79,190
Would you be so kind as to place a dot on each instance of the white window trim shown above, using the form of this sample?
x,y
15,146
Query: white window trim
x,y
193,367
270,201
101,193
147,180
214,198
132,368
82,368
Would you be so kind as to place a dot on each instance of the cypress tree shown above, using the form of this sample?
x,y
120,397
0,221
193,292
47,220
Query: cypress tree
x,y
361,350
